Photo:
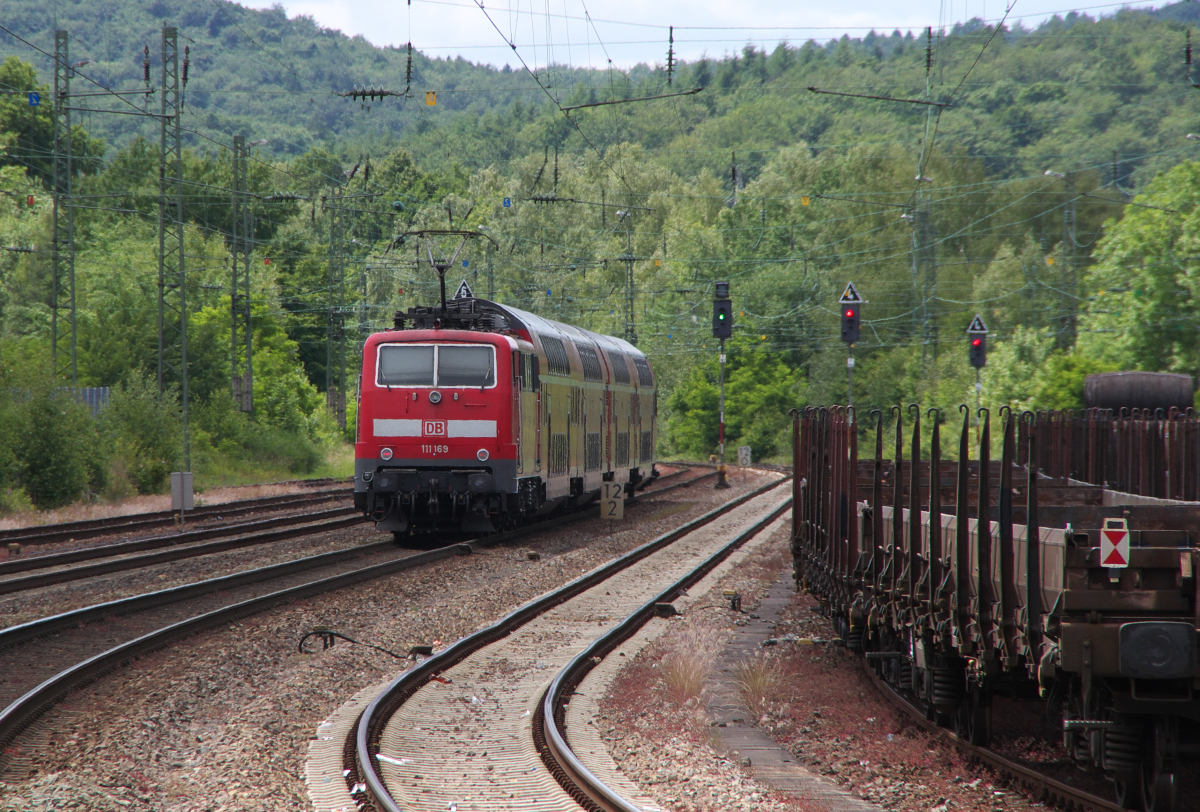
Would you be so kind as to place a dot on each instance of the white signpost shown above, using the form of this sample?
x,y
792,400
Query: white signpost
x,y
182,498
743,455
612,505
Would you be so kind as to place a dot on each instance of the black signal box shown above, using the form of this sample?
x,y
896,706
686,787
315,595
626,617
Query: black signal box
x,y
851,323
722,318
977,350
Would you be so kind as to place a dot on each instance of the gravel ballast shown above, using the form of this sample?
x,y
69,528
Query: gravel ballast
x,y
222,721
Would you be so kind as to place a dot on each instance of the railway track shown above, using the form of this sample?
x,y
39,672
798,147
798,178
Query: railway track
x,y
119,556
483,707
137,522
76,647
1029,781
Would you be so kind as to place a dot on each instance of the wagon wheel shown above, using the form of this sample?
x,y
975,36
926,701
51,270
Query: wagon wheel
x,y
1159,786
973,719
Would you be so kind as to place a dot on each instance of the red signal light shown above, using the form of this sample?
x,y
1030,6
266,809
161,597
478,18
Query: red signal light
x,y
849,314
975,342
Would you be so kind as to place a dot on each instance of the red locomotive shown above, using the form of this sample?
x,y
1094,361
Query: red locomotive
x,y
474,416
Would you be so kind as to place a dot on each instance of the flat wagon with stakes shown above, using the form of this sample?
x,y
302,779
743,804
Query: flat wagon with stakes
x,y
1064,572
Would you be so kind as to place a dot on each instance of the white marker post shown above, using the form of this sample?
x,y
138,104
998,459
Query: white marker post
x,y
182,498
612,505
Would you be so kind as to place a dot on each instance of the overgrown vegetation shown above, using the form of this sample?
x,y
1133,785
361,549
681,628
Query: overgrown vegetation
x,y
823,193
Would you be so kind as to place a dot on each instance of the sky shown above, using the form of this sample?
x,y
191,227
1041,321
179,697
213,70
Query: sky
x,y
589,33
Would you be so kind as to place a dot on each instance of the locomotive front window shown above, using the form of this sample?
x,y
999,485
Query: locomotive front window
x,y
436,365
401,365
465,366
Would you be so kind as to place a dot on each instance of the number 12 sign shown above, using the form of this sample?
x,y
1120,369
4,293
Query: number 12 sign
x,y
612,506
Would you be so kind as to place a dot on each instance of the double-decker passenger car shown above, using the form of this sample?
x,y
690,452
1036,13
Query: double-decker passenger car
x,y
475,416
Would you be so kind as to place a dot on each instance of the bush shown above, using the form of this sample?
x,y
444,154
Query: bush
x,y
230,433
143,430
58,449
14,500
759,390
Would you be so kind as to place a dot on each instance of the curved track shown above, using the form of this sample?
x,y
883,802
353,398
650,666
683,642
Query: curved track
x,y
76,647
475,709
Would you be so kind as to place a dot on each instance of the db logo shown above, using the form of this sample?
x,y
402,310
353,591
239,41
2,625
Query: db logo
x,y
434,428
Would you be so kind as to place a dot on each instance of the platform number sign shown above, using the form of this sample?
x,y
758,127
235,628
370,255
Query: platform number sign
x,y
508,202
1114,543
35,99
612,506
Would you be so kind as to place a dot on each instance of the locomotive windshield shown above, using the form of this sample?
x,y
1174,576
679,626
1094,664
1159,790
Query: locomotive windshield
x,y
401,365
456,365
465,366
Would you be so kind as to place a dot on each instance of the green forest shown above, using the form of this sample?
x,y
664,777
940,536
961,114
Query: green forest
x,y
1041,178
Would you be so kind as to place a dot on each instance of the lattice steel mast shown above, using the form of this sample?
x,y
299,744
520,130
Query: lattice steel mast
x,y
335,355
62,297
242,245
172,288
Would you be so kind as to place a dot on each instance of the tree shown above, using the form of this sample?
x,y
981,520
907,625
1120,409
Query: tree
x,y
27,131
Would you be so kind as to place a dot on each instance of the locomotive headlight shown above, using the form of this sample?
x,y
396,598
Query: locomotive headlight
x,y
481,455
386,453
435,396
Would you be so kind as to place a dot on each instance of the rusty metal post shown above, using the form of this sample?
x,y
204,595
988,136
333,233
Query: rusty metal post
x,y
935,512
983,534
853,550
914,504
876,569
962,549
1008,580
897,553
1033,566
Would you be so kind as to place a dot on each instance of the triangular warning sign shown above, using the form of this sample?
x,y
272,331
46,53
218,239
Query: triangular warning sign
x,y
850,295
1114,548
464,291
977,325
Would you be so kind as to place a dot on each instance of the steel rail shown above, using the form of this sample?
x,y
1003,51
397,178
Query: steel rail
x,y
574,777
174,539
45,560
1042,788
360,749
321,522
25,710
90,528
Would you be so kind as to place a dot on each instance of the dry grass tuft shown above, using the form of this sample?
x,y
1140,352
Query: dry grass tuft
x,y
760,681
686,664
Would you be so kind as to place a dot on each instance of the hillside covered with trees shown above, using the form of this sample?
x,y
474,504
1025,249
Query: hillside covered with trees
x,y
936,212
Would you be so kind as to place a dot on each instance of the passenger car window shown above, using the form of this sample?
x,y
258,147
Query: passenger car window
x,y
405,366
465,366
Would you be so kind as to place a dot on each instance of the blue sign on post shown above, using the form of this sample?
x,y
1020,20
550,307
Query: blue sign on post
x,y
464,263
507,200
34,99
